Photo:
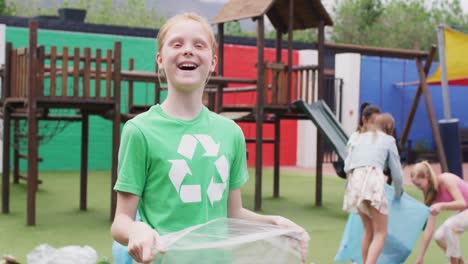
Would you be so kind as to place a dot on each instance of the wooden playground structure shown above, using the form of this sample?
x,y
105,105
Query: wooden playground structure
x,y
279,85
36,81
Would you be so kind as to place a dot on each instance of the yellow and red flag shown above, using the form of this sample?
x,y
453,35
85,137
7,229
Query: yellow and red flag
x,y
456,56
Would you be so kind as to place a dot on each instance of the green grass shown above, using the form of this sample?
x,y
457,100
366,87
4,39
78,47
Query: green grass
x,y
59,222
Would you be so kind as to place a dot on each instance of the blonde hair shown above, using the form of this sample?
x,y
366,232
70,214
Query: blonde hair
x,y
161,37
423,170
385,123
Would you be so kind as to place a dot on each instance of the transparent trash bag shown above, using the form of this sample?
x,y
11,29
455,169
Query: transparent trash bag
x,y
227,240
406,220
46,254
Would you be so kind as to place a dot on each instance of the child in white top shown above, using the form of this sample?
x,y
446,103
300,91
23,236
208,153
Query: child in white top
x,y
369,152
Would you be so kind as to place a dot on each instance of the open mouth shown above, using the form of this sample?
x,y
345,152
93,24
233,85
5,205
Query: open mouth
x,y
187,66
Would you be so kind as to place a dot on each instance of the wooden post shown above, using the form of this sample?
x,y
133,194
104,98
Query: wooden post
x,y
6,131
97,80
130,86
259,112
32,125
219,92
116,123
6,159
84,161
276,167
16,154
290,49
65,72
320,95
157,87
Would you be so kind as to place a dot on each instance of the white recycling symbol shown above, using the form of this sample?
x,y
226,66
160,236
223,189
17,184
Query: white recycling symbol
x,y
180,169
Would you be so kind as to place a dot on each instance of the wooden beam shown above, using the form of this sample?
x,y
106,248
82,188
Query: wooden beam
x,y
375,51
432,118
414,105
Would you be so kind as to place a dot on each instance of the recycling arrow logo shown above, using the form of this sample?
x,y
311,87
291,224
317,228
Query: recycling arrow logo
x,y
192,193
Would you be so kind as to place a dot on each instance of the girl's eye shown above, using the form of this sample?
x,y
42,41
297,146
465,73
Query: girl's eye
x,y
177,45
199,46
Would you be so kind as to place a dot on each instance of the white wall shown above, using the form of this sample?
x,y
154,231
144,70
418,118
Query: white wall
x,y
306,131
347,67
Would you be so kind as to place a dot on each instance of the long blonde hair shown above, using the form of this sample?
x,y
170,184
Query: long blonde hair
x,y
423,170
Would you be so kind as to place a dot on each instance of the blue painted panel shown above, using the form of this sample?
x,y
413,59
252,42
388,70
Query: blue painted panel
x,y
379,77
370,80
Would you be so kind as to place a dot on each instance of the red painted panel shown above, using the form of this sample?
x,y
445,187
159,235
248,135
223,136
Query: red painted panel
x,y
240,62
459,82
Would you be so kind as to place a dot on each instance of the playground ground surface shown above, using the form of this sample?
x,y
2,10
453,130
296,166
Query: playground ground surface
x,y
61,223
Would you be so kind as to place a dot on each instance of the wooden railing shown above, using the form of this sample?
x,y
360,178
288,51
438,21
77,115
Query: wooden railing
x,y
67,74
19,73
70,74
305,83
276,75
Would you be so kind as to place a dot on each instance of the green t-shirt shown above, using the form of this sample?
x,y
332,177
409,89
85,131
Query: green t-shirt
x,y
182,170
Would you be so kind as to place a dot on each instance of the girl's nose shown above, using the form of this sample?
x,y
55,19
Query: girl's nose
x,y
188,50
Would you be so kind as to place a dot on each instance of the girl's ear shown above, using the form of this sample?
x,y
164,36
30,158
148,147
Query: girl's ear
x,y
214,61
159,60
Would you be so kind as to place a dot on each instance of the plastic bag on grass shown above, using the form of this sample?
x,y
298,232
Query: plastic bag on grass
x,y
120,254
234,241
406,219
46,254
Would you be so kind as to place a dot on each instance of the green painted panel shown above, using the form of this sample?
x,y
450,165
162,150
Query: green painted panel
x,y
62,152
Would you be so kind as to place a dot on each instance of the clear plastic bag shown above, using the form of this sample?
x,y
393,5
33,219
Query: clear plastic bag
x,y
46,254
227,240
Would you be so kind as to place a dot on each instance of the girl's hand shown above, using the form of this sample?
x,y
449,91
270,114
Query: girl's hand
x,y
299,241
143,243
435,208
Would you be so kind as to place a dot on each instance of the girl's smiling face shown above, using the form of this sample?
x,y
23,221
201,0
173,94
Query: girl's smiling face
x,y
186,56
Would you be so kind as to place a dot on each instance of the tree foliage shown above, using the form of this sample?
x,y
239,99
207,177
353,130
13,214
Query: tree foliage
x,y
233,28
7,8
386,23
396,24
134,13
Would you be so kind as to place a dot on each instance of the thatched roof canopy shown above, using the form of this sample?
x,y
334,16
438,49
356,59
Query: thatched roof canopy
x,y
307,13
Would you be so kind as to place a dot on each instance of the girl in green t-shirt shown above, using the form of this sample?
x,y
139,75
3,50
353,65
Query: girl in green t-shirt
x,y
159,172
